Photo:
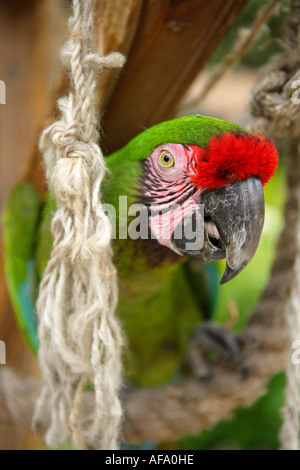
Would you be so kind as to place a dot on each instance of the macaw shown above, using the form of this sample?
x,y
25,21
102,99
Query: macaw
x,y
209,175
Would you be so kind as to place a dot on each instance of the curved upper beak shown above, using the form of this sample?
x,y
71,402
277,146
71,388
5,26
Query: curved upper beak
x,y
233,223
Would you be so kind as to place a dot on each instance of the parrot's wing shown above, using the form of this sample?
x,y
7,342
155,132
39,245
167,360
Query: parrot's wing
x,y
204,279
20,221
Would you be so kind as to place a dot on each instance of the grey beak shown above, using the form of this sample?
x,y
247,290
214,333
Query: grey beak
x,y
238,212
233,220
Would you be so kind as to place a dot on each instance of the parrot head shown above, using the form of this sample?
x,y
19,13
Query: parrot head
x,y
202,180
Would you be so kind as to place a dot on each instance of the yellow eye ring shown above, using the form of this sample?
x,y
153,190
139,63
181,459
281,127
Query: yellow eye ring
x,y
166,160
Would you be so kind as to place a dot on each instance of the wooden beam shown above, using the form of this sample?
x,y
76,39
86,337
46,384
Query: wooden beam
x,y
174,41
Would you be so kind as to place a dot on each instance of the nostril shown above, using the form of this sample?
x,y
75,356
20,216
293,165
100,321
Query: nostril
x,y
215,242
212,232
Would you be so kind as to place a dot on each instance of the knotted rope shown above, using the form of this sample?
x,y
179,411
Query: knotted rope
x,y
276,111
80,339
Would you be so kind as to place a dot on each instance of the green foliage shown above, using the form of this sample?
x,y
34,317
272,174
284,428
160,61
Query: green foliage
x,y
251,428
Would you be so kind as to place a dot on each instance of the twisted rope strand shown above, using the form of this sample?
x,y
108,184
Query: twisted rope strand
x,y
80,339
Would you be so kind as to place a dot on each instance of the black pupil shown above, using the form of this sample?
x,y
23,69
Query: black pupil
x,y
167,158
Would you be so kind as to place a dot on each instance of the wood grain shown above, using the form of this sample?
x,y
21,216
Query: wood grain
x,y
173,43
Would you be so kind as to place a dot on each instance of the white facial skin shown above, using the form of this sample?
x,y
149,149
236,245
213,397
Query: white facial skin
x,y
168,183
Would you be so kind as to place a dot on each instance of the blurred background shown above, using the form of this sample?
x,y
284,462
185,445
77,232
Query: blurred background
x,y
31,35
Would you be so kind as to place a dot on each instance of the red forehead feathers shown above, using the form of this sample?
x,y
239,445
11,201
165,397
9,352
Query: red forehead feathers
x,y
231,157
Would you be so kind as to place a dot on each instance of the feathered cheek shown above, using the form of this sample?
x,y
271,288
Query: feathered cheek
x,y
233,157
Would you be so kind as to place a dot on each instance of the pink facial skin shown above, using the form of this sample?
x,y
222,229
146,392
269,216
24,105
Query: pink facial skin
x,y
166,187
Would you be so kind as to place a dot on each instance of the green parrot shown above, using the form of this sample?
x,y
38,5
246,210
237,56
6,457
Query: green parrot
x,y
181,193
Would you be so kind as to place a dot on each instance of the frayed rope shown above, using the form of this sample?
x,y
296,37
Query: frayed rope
x,y
80,339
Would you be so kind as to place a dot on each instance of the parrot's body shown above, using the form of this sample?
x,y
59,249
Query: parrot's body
x,y
164,290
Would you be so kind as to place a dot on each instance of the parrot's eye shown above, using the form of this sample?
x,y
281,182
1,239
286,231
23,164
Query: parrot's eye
x,y
166,160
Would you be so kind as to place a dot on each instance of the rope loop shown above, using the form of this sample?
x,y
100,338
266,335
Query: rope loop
x,y
80,339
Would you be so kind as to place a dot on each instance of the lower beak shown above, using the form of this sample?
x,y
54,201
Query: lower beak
x,y
233,221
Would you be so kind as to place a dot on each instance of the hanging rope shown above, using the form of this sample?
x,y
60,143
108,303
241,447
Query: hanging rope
x,y
289,435
276,112
80,340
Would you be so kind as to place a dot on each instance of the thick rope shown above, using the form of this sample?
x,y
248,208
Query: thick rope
x,y
275,104
277,113
289,434
80,339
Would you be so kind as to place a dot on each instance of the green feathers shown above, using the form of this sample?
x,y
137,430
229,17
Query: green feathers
x,y
20,220
160,303
186,130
